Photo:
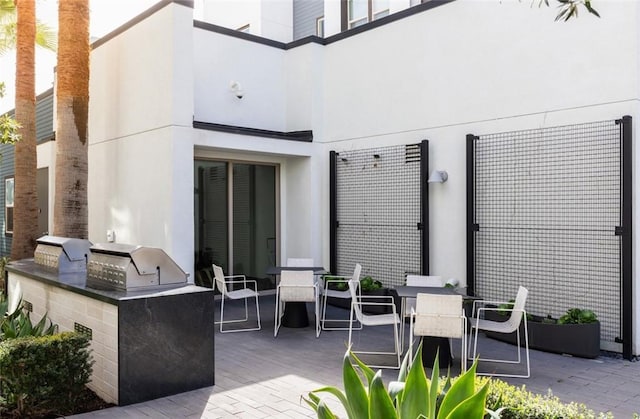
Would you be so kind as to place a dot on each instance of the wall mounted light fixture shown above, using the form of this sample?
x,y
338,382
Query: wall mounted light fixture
x,y
438,176
236,89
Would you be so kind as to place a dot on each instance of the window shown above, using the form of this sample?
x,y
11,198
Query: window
x,y
8,205
320,26
363,11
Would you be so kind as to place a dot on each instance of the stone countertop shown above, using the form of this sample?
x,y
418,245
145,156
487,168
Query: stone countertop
x,y
76,282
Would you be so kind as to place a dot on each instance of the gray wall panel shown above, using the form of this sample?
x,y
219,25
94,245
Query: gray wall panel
x,y
305,14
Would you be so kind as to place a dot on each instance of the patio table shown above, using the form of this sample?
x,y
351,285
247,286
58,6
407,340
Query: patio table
x,y
430,345
295,313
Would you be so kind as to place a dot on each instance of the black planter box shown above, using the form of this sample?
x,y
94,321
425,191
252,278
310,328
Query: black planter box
x,y
581,340
346,302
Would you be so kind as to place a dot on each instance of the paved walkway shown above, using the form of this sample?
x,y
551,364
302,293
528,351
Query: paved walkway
x,y
257,376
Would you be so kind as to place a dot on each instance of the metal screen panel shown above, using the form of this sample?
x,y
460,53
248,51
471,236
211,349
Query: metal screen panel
x,y
547,214
378,212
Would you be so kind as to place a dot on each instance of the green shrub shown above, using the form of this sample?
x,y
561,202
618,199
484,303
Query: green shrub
x,y
369,284
518,403
578,316
44,375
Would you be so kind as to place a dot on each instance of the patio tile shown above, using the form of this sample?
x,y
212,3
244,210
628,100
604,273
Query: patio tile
x,y
259,376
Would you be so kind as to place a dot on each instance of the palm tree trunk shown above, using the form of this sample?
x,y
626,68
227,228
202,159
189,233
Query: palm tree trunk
x,y
25,221
70,213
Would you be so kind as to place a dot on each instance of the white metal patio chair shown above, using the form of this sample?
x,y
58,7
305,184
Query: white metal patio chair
x,y
223,283
439,316
388,319
335,293
296,286
518,317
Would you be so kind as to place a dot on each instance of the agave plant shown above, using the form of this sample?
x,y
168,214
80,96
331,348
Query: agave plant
x,y
18,323
412,396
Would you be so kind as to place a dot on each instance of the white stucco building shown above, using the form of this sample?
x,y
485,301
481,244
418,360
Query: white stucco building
x,y
178,160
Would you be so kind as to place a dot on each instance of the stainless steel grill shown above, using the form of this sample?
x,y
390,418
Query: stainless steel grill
x,y
115,266
63,254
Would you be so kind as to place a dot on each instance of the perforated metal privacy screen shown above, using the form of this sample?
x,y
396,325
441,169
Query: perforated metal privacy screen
x,y
378,211
547,204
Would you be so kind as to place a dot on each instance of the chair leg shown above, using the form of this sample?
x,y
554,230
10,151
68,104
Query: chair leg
x,y
222,321
325,320
397,341
317,310
258,311
324,310
519,358
276,322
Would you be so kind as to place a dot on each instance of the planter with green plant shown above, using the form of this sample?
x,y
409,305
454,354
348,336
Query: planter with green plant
x,y
368,286
577,332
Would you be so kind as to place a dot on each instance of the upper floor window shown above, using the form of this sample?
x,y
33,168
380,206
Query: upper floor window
x,y
363,11
320,27
8,204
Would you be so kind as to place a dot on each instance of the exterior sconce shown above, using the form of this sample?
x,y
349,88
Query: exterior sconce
x,y
236,89
438,176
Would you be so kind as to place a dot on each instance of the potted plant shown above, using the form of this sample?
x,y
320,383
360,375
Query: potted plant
x,y
368,286
577,332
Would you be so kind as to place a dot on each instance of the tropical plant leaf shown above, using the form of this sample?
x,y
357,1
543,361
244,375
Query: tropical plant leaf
x,y
368,372
395,389
416,398
380,403
355,391
435,385
470,408
461,389
335,392
324,412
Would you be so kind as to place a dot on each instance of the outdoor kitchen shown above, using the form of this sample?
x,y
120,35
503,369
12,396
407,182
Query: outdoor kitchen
x,y
151,330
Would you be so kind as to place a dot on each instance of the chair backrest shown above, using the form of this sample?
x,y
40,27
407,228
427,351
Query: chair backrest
x,y
297,286
420,281
356,272
424,281
219,276
300,262
439,316
518,307
354,291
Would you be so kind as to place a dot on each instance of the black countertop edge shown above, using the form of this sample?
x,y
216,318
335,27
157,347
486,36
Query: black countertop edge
x,y
76,282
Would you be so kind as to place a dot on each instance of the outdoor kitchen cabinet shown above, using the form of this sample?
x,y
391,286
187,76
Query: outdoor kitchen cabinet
x,y
146,343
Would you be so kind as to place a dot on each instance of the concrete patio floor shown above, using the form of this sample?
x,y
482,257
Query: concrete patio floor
x,y
257,376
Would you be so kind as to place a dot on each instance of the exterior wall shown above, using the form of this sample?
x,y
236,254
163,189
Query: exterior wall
x,y
271,19
219,60
420,77
44,134
305,15
65,308
141,94
7,156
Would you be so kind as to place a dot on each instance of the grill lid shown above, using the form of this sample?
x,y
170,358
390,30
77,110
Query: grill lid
x,y
128,267
75,249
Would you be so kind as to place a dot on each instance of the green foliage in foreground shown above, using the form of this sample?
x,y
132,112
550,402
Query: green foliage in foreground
x,y
17,324
519,403
43,375
412,396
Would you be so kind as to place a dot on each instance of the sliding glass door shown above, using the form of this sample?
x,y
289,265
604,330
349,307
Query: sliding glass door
x,y
235,210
